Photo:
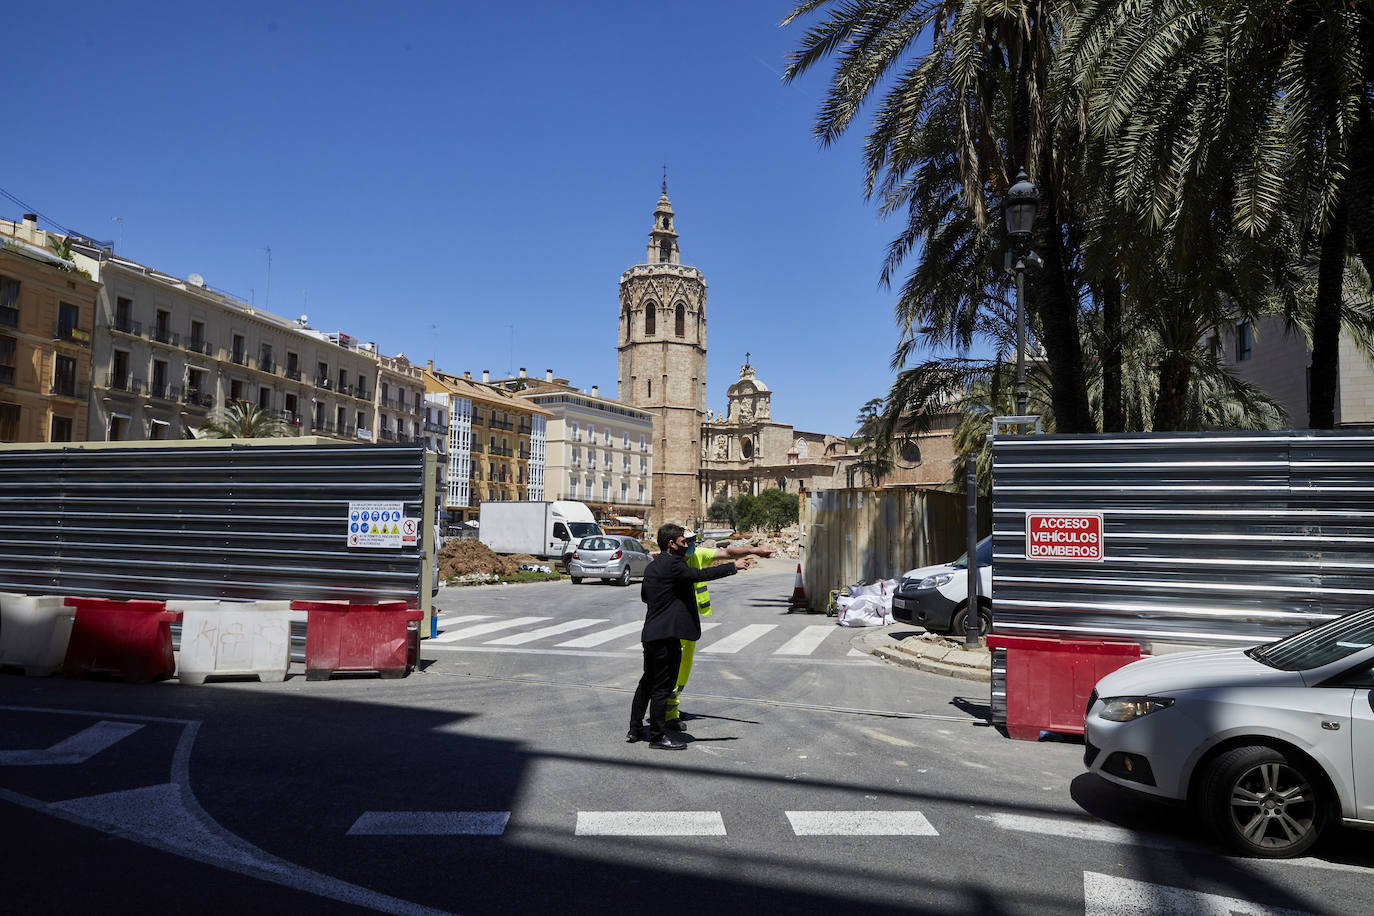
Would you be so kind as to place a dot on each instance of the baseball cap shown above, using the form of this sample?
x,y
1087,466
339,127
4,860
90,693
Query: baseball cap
x,y
689,533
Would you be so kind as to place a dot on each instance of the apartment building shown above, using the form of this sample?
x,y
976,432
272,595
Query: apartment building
x,y
598,450
496,445
46,313
167,351
1266,354
400,409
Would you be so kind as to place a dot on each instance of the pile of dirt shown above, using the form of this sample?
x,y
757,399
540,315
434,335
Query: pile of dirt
x,y
468,556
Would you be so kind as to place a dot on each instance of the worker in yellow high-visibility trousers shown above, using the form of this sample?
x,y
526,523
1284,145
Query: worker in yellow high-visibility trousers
x,y
700,558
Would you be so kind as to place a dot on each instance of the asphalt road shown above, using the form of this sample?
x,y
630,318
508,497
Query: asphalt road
x,y
497,780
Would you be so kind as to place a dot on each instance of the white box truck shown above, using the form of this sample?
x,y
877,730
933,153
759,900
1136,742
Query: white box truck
x,y
541,529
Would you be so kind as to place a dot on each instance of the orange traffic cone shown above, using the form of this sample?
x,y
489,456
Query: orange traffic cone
x,y
798,594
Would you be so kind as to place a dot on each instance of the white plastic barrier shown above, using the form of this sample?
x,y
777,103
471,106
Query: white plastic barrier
x,y
233,637
34,632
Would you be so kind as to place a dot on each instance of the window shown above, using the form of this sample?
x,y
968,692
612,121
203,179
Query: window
x,y
361,421
119,370
61,429
9,302
195,383
591,436
291,408
650,320
608,437
591,457
198,336
588,482
641,494
9,422
322,375
605,491
1244,339
157,429
237,353
362,386
643,443
572,488
68,320
624,492
643,465
680,321
64,376
293,366
386,394
123,316
575,436
265,358
625,463
7,348
343,379
162,326
159,385
625,444
264,397
119,426
235,390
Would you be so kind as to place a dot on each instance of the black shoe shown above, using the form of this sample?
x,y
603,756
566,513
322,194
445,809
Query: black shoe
x,y
674,725
636,733
668,743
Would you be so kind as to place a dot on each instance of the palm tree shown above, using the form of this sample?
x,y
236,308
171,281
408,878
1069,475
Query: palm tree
x,y
242,420
1259,104
964,104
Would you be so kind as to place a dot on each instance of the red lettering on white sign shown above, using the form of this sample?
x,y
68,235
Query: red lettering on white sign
x,y
1065,536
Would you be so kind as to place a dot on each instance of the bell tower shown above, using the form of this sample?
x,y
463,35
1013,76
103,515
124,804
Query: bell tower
x,y
662,363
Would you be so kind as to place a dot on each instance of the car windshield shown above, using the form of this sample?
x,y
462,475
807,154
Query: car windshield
x,y
598,544
984,554
1321,645
583,529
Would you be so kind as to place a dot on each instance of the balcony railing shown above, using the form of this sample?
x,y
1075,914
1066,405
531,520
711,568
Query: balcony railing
x,y
323,382
123,382
432,427
267,365
293,374
67,389
387,434
198,345
524,453
525,429
477,421
362,394
9,316
197,398
127,326
239,358
165,336
6,375
73,333
164,391
502,451
501,424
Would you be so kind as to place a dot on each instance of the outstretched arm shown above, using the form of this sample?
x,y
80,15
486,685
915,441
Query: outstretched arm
x,y
746,551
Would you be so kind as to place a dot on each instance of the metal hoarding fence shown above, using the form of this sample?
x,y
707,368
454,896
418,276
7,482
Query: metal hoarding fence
x,y
1206,538
254,520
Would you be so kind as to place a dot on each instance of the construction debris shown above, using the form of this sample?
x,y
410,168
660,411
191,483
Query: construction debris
x,y
471,557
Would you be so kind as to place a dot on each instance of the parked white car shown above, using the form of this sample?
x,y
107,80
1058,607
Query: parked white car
x,y
1270,745
936,597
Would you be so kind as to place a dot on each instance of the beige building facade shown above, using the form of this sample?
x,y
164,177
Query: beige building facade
x,y
662,363
46,314
400,407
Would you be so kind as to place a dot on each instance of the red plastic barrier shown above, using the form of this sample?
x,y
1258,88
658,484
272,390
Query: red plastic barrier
x,y
1049,680
132,639
340,636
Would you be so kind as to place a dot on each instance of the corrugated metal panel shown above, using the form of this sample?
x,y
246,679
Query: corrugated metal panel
x,y
231,522
1216,538
860,535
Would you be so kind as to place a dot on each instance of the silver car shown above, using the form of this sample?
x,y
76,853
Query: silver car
x,y
613,557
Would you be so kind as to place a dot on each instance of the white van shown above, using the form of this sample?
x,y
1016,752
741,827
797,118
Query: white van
x,y
936,597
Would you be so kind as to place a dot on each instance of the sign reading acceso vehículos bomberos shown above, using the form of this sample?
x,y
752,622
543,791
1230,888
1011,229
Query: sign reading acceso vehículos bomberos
x,y
1064,536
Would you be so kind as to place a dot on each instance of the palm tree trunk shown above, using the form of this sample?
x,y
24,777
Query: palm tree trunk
x,y
1326,324
1058,310
1175,372
1358,192
1113,408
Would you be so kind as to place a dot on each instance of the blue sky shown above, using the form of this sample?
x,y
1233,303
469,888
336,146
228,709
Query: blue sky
x,y
466,182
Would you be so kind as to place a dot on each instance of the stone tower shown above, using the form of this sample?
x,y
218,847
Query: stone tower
x,y
662,365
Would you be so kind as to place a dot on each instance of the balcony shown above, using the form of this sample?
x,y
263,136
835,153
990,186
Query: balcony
x,y
74,334
267,365
293,374
199,345
477,421
432,427
9,316
525,429
238,357
197,398
67,389
165,336
116,381
387,434
6,375
478,448
323,382
362,394
524,453
501,424
501,451
125,326
164,391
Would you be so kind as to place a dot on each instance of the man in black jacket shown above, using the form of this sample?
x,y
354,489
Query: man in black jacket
x,y
668,590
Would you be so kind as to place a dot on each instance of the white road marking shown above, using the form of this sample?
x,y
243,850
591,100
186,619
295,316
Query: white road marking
x,y
445,622
482,629
1108,895
604,636
532,635
430,823
78,748
650,823
807,641
740,638
860,823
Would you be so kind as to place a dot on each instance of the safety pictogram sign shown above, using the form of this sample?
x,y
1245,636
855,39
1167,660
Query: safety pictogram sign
x,y
373,524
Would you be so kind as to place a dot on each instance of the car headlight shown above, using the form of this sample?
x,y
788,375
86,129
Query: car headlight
x,y
936,580
1128,709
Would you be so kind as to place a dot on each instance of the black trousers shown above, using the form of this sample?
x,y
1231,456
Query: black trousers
x,y
662,658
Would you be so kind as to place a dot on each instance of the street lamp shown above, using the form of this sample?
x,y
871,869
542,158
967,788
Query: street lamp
x,y
1019,209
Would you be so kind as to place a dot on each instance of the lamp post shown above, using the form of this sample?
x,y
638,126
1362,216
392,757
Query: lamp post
x,y
1019,209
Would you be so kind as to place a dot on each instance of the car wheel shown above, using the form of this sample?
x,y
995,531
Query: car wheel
x,y
956,627
1262,802
576,580
624,577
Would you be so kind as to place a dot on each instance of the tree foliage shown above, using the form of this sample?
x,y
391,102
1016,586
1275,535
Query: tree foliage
x,y
723,509
242,420
772,509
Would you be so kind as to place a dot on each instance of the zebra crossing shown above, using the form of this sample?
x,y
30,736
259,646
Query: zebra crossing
x,y
458,631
